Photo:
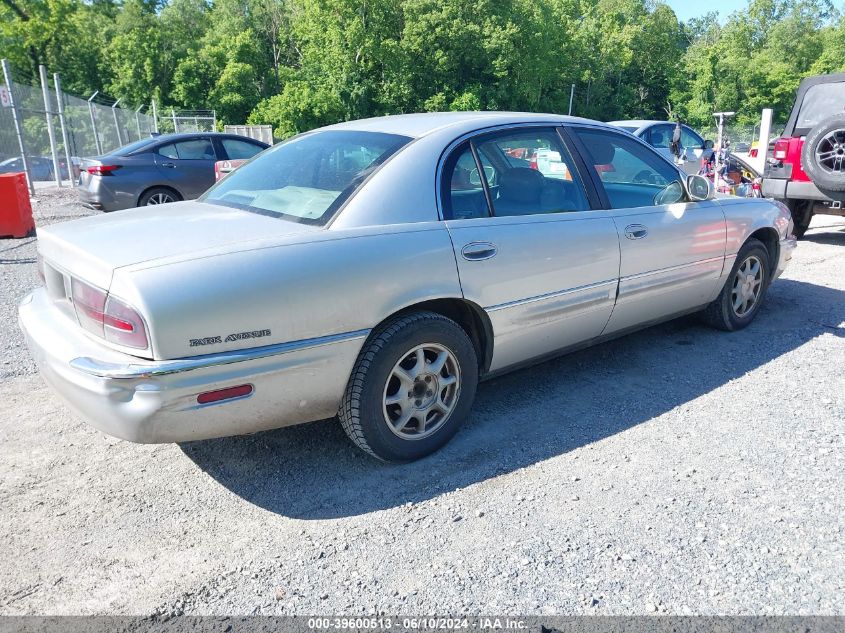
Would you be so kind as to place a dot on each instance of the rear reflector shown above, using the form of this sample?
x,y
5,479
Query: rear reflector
x,y
230,393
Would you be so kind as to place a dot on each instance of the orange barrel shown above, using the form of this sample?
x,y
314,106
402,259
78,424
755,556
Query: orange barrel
x,y
15,209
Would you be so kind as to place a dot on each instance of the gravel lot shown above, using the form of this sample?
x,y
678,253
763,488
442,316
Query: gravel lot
x,y
679,470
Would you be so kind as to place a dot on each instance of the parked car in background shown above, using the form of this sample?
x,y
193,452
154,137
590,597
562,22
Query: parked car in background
x,y
376,269
223,168
658,134
41,167
160,169
806,166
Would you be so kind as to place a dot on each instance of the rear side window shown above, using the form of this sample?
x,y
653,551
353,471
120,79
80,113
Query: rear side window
x,y
820,102
632,175
238,150
194,149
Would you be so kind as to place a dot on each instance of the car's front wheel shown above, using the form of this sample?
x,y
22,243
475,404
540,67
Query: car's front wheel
x,y
743,292
412,386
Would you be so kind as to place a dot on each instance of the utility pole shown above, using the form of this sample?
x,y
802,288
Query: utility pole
x,y
57,82
94,124
16,115
51,133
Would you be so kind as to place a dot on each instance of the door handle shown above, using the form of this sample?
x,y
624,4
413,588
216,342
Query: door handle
x,y
478,251
171,165
635,231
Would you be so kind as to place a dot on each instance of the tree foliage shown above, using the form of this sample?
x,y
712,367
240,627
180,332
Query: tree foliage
x,y
298,64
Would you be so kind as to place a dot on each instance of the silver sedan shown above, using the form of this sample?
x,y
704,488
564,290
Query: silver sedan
x,y
376,270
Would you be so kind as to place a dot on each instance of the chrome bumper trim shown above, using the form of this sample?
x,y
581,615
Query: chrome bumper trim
x,y
129,371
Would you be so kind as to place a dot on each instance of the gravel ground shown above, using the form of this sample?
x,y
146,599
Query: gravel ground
x,y
678,470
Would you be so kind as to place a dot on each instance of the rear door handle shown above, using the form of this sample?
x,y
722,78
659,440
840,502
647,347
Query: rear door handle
x,y
478,251
636,231
168,165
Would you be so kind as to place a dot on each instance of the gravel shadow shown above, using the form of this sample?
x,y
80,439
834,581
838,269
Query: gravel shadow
x,y
313,472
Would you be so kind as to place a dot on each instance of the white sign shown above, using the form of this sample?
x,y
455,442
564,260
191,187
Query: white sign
x,y
5,97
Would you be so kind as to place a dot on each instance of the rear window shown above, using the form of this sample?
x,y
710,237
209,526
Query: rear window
x,y
820,102
133,147
307,178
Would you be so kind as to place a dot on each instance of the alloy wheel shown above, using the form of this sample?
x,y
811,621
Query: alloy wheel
x,y
830,152
421,391
160,198
747,285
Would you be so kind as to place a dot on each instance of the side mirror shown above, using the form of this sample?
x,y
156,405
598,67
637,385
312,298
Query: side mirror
x,y
699,188
708,144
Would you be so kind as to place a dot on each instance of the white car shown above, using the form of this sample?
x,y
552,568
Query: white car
x,y
658,134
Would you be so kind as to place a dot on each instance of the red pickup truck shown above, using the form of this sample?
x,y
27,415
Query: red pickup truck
x,y
806,167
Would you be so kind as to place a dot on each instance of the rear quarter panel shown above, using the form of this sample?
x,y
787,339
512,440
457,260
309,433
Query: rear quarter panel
x,y
745,216
338,282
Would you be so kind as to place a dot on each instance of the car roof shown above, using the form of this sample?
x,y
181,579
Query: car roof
x,y
640,123
175,136
424,124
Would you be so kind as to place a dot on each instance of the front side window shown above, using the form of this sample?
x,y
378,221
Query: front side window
x,y
307,178
631,174
239,150
690,139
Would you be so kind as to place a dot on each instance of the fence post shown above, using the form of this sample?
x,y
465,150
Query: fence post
x,y
571,97
60,101
94,124
16,115
214,120
138,120
51,133
116,124
175,124
155,117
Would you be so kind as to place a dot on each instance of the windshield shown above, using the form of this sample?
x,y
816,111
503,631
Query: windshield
x,y
820,102
133,147
307,178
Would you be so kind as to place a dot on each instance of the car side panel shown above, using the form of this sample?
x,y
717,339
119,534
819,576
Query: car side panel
x,y
340,281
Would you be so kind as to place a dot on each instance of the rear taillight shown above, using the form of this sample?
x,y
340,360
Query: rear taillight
x,y
107,317
781,149
102,170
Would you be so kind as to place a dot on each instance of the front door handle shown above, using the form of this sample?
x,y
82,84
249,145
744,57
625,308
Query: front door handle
x,y
635,231
477,251
168,165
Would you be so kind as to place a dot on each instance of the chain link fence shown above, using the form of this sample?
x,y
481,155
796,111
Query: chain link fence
x,y
80,127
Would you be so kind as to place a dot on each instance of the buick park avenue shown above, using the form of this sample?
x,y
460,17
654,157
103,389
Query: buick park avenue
x,y
376,270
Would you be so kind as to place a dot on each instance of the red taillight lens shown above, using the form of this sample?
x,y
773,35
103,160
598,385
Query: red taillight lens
x,y
107,317
102,170
123,325
781,149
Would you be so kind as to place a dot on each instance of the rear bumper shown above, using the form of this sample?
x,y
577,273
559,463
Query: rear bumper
x,y
156,401
97,195
792,190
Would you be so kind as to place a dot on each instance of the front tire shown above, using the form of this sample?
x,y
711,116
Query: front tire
x,y
744,291
411,388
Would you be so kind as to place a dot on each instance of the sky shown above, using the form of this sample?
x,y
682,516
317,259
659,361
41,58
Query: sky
x,y
686,9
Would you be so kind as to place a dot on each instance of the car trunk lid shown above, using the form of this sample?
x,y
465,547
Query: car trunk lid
x,y
92,248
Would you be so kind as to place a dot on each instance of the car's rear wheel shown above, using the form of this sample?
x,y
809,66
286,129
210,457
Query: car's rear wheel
x,y
158,195
412,386
744,291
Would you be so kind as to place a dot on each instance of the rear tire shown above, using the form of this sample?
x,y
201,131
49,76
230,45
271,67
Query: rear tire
x,y
744,291
158,195
411,388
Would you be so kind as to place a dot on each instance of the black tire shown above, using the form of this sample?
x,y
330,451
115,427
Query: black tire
x,y
150,196
721,313
802,215
364,413
827,138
